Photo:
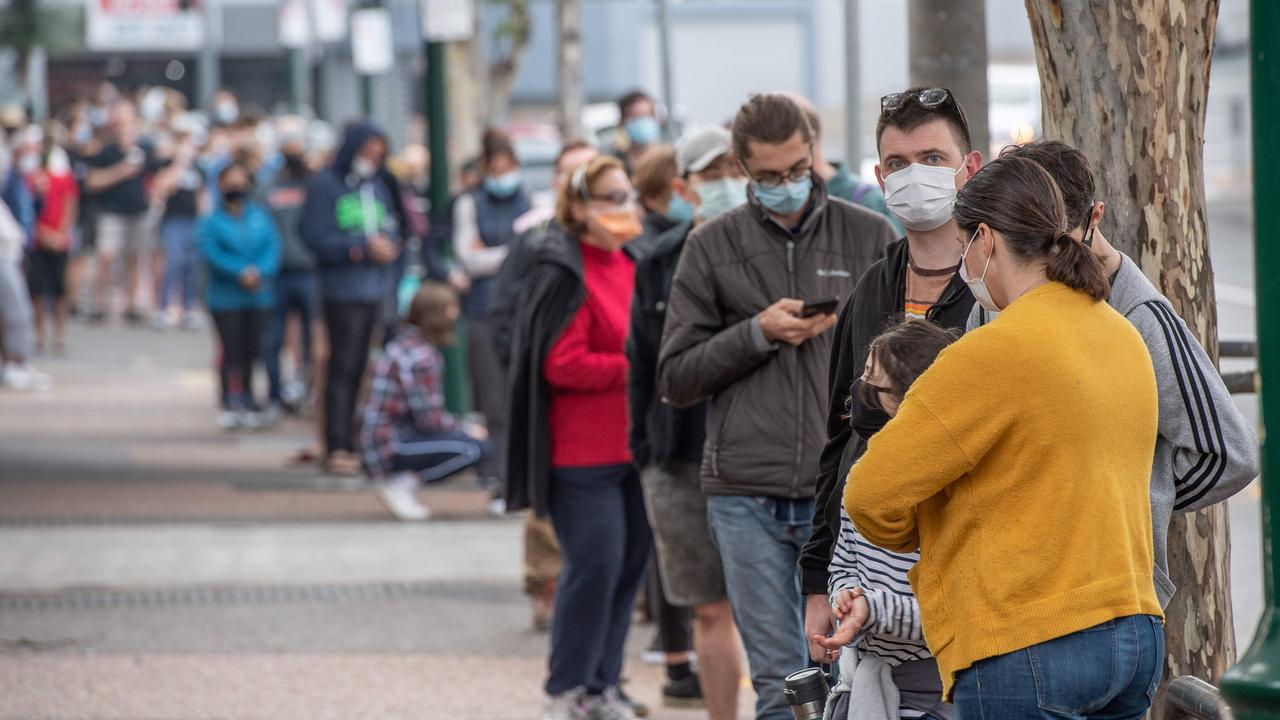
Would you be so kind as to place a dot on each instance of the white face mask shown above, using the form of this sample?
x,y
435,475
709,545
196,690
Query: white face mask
x,y
978,286
921,196
363,167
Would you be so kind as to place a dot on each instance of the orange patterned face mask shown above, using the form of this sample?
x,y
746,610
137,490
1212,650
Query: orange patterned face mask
x,y
623,225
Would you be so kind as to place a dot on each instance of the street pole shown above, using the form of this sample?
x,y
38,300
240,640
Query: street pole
x,y
366,81
852,89
664,52
208,76
1252,686
456,382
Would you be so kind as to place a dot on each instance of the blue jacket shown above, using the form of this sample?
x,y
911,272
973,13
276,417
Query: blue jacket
x,y
14,193
340,213
230,244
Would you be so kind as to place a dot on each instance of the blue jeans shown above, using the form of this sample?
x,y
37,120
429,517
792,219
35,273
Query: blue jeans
x,y
1107,672
296,292
181,264
759,541
599,518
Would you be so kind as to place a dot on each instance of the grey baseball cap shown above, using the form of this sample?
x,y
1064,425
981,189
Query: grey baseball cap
x,y
700,147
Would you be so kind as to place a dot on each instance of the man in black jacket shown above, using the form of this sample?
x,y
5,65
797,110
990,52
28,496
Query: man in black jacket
x,y
666,442
925,157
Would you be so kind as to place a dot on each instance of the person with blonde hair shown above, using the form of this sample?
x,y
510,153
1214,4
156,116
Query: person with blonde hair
x,y
570,460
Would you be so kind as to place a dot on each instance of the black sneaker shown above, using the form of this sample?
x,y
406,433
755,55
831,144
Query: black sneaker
x,y
683,693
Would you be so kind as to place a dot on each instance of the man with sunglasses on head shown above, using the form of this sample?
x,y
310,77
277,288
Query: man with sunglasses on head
x,y
747,332
926,155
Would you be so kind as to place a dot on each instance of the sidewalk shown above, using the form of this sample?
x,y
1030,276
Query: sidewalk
x,y
154,567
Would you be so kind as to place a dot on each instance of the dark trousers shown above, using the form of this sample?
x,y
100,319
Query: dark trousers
x,y
599,518
239,331
295,293
488,388
350,331
434,456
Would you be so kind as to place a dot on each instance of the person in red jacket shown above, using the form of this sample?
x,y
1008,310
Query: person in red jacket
x,y
51,181
573,463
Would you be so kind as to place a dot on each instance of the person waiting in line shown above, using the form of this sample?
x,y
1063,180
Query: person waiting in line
x,y
298,287
571,460
407,437
241,250
1031,507
737,335
638,128
842,178
663,208
483,229
667,443
53,184
870,591
1207,450
348,221
179,188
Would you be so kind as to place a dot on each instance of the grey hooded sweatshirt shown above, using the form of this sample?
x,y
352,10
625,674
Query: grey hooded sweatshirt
x,y
1206,450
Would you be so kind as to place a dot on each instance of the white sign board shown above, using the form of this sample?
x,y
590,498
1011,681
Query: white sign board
x,y
372,52
142,25
330,17
446,20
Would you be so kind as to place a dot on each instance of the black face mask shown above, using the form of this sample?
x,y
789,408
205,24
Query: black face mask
x,y
297,164
866,421
234,195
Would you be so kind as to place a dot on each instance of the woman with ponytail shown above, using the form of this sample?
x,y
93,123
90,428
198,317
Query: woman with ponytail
x,y
1019,466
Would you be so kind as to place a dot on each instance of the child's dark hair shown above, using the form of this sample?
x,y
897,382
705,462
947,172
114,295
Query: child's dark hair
x,y
903,352
428,312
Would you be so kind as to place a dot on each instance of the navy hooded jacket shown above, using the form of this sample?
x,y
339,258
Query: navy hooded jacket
x,y
341,212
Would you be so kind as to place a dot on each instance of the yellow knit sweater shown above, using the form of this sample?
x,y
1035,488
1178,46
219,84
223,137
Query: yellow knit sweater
x,y
1019,464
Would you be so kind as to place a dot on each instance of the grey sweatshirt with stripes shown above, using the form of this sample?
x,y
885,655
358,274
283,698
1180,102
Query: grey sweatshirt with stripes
x,y
1206,450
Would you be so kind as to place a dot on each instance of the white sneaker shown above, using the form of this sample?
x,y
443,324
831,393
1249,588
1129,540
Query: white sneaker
x,y
273,415
609,706
21,376
192,322
570,705
497,507
249,420
161,321
228,420
400,495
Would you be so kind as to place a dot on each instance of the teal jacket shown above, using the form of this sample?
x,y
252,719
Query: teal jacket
x,y
231,244
847,186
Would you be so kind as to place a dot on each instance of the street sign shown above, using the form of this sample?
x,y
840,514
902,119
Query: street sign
x,y
372,51
295,26
143,24
446,20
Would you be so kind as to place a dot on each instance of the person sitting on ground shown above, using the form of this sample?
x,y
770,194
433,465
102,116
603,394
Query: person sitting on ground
x,y
407,436
870,592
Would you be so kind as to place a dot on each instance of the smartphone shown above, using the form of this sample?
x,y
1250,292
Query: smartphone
x,y
822,306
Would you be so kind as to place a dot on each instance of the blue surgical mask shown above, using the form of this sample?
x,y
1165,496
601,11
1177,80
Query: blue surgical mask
x,y
503,186
679,209
717,197
787,198
643,130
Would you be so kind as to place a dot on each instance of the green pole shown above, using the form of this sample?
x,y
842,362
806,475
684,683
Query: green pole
x,y
1252,686
294,66
456,386
366,96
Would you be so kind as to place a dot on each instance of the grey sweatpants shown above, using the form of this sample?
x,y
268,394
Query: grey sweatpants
x,y
16,313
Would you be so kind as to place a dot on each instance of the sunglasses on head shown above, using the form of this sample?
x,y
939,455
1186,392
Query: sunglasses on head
x,y
929,97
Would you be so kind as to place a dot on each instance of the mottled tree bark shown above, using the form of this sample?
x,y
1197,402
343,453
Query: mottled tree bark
x,y
1126,81
569,66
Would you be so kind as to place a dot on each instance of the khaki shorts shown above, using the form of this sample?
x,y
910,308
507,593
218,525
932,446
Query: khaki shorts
x,y
128,235
690,565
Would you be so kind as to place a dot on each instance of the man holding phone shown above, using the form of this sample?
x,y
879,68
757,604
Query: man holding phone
x,y
735,336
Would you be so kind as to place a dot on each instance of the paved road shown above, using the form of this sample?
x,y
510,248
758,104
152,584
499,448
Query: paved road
x,y
154,567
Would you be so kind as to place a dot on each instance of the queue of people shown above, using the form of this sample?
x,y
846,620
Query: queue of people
x,y
929,430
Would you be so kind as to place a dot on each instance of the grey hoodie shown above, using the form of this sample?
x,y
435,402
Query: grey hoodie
x,y
1206,450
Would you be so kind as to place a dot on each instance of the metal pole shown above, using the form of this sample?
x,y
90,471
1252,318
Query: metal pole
x,y
1252,686
852,89
664,52
456,386
208,77
948,44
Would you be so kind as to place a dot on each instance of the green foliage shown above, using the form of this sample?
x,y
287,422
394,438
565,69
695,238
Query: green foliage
x,y
25,25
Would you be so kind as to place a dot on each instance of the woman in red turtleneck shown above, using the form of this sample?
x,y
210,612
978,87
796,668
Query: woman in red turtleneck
x,y
568,455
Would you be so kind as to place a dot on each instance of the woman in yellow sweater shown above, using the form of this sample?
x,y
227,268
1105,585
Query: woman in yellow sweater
x,y
1019,465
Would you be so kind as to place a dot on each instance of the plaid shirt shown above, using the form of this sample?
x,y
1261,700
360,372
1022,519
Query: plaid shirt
x,y
406,397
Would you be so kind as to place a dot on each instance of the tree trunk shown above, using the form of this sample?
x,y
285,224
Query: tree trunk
x,y
1126,82
569,66
465,121
948,42
513,38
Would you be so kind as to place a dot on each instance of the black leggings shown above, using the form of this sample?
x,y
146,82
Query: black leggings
x,y
240,332
350,332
